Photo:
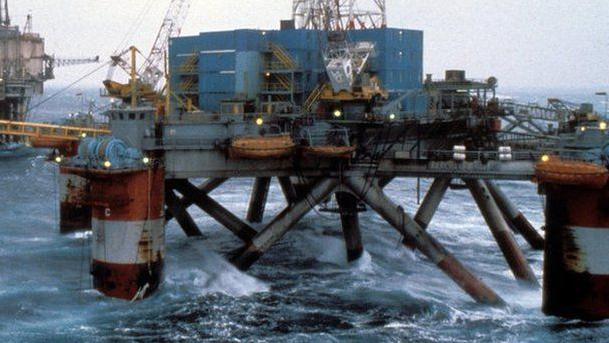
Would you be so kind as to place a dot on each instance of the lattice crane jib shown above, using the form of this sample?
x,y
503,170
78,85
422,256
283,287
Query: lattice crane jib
x,y
339,15
151,71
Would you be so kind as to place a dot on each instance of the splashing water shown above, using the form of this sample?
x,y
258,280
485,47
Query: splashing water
x,y
301,290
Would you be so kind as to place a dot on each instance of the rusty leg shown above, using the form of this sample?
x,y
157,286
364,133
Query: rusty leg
x,y
215,210
275,230
74,211
181,214
429,246
576,268
502,232
347,203
516,218
260,192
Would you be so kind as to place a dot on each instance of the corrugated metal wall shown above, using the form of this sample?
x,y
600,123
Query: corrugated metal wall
x,y
230,62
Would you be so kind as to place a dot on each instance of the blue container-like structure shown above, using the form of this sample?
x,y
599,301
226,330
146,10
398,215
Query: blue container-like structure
x,y
215,67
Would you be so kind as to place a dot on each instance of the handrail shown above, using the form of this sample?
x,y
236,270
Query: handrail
x,y
27,129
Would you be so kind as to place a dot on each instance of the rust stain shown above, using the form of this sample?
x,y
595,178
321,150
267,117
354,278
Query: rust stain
x,y
128,196
574,259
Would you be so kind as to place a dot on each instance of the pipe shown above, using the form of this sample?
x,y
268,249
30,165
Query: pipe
x,y
275,230
429,246
260,192
502,232
516,217
347,204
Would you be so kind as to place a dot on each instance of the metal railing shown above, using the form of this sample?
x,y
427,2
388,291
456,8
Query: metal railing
x,y
68,133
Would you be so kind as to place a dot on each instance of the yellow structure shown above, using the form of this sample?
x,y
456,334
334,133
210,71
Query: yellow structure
x,y
47,131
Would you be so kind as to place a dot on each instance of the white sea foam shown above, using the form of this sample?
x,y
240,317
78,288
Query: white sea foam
x,y
211,273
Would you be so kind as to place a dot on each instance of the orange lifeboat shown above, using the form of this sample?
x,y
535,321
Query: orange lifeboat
x,y
341,152
557,171
262,148
50,143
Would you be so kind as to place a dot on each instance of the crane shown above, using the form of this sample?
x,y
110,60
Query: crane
x,y
51,62
147,78
172,27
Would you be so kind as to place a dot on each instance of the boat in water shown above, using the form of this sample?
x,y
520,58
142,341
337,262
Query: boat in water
x,y
16,150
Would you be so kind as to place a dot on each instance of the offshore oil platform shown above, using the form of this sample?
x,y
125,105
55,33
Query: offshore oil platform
x,y
24,67
334,105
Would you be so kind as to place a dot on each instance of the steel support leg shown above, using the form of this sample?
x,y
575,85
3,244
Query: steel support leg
x,y
431,202
275,230
181,214
260,192
429,246
347,203
430,205
207,187
516,218
288,189
215,210
502,232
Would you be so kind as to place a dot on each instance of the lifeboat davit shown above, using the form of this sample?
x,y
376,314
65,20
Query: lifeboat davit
x,y
561,172
262,148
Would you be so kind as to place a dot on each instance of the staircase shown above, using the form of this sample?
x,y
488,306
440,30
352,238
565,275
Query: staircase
x,y
313,97
282,56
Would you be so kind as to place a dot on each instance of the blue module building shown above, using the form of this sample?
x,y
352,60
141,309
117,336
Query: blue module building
x,y
272,70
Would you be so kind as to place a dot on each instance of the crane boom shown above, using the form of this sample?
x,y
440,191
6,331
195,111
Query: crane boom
x,y
65,62
151,71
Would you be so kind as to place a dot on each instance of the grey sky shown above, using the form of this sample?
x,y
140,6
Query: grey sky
x,y
525,43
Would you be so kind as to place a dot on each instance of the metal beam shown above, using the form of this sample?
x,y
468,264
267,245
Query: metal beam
x,y
432,201
502,232
516,217
215,210
275,230
428,245
181,214
430,205
260,193
349,216
289,192
207,187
